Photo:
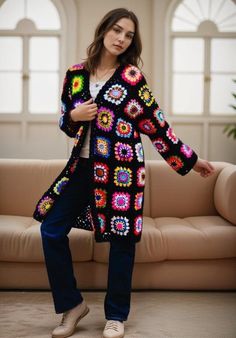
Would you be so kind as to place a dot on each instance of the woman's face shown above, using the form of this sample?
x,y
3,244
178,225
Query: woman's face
x,y
119,37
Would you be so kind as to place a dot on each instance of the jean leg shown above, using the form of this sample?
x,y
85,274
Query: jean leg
x,y
54,231
118,296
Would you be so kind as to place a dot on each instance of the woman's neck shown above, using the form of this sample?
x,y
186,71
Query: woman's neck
x,y
107,61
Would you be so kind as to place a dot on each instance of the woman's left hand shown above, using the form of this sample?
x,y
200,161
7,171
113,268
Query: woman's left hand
x,y
204,167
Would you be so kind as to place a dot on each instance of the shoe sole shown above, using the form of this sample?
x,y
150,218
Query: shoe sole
x,y
86,311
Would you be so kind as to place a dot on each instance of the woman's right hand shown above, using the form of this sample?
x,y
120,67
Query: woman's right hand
x,y
85,111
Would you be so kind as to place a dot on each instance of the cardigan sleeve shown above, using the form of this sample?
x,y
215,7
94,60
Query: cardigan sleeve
x,y
65,123
151,122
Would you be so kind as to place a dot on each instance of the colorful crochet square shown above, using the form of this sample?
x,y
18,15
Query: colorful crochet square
x,y
60,185
123,128
171,135
175,162
160,145
132,75
139,152
146,95
78,135
121,201
77,67
77,103
138,201
160,117
122,177
186,150
138,225
100,198
102,222
63,108
147,126
120,225
101,171
115,94
105,119
102,146
133,109
73,166
141,177
123,152
45,205
77,84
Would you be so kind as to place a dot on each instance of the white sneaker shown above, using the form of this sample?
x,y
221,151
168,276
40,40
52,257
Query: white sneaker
x,y
69,321
114,329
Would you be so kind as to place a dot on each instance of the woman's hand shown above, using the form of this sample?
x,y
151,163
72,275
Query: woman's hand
x,y
84,112
204,167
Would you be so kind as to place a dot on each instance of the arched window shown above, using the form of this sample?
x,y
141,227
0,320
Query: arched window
x,y
30,38
203,49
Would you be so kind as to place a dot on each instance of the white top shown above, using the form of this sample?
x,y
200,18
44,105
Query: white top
x,y
94,88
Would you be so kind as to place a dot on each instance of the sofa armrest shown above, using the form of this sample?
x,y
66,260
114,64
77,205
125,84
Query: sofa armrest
x,y
225,193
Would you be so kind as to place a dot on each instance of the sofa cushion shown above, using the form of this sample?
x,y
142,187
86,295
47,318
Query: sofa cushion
x,y
191,238
20,241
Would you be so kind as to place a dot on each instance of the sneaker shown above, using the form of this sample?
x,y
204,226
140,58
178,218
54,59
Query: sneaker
x,y
114,329
69,321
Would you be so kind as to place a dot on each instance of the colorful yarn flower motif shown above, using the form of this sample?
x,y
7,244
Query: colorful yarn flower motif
x,y
141,177
120,201
122,177
78,135
132,75
138,225
63,108
171,135
146,95
105,119
186,150
175,162
102,146
100,198
102,222
138,201
77,84
147,126
160,117
123,152
160,145
115,94
78,102
133,109
60,185
77,67
45,205
73,166
120,225
101,171
139,152
123,128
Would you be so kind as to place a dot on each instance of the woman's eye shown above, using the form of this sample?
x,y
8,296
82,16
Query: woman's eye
x,y
117,30
130,37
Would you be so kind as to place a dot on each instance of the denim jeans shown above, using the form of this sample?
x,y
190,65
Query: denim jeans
x,y
54,231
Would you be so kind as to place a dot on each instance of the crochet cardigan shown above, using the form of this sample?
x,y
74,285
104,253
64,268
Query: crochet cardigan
x,y
126,108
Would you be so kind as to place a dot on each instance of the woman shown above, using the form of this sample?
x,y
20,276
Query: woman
x,y
106,104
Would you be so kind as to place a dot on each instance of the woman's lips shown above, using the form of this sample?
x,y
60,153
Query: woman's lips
x,y
119,47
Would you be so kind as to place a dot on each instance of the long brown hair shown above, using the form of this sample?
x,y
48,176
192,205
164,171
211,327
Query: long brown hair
x,y
133,53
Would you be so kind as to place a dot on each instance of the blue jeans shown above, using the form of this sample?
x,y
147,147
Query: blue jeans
x,y
54,231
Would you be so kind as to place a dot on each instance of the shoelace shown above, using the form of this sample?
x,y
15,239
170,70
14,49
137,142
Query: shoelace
x,y
112,325
63,321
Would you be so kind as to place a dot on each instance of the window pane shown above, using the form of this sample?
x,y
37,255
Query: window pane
x,y
11,53
44,53
44,13
187,94
10,86
43,93
221,96
11,12
188,54
223,55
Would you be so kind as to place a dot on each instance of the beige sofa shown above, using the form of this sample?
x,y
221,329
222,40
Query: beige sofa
x,y
188,242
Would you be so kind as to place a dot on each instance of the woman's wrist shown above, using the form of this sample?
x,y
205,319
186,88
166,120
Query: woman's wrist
x,y
71,117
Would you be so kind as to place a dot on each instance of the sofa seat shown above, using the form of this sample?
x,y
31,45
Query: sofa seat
x,y
21,241
188,241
